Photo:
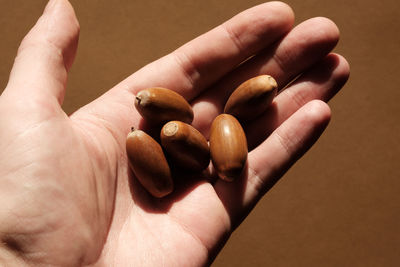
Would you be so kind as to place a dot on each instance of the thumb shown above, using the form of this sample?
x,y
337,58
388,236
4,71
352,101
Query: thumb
x,y
45,55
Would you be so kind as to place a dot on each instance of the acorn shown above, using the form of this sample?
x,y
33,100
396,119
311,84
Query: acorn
x,y
252,98
148,163
158,105
228,147
185,145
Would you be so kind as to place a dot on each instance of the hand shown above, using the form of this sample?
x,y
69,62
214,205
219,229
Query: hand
x,y
68,197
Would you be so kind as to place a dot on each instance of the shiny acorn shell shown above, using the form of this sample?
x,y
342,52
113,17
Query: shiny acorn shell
x,y
228,147
185,146
251,98
148,163
158,105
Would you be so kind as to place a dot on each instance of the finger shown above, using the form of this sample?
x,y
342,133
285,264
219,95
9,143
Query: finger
x,y
197,64
322,82
305,45
270,160
45,55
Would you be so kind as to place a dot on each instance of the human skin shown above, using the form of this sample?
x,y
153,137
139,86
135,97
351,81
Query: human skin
x,y
67,195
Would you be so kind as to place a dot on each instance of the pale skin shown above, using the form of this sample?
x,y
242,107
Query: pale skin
x,y
67,195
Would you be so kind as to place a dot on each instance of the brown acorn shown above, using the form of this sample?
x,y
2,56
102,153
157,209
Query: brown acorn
x,y
185,145
148,163
158,105
251,98
228,147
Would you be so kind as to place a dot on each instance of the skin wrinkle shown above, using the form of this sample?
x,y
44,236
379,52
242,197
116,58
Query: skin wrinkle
x,y
50,49
277,59
278,28
149,230
113,238
285,141
34,235
283,58
98,216
234,37
256,181
95,145
51,31
190,233
192,74
19,137
19,168
222,219
102,127
63,77
282,47
16,255
26,195
93,114
45,113
298,97
81,214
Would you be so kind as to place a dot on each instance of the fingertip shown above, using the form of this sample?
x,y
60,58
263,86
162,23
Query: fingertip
x,y
325,28
343,67
334,70
58,27
278,14
47,52
317,112
266,23
277,153
282,10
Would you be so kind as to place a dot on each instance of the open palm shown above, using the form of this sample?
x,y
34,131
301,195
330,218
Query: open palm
x,y
68,197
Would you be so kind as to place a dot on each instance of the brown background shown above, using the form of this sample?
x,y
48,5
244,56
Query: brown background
x,y
338,206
